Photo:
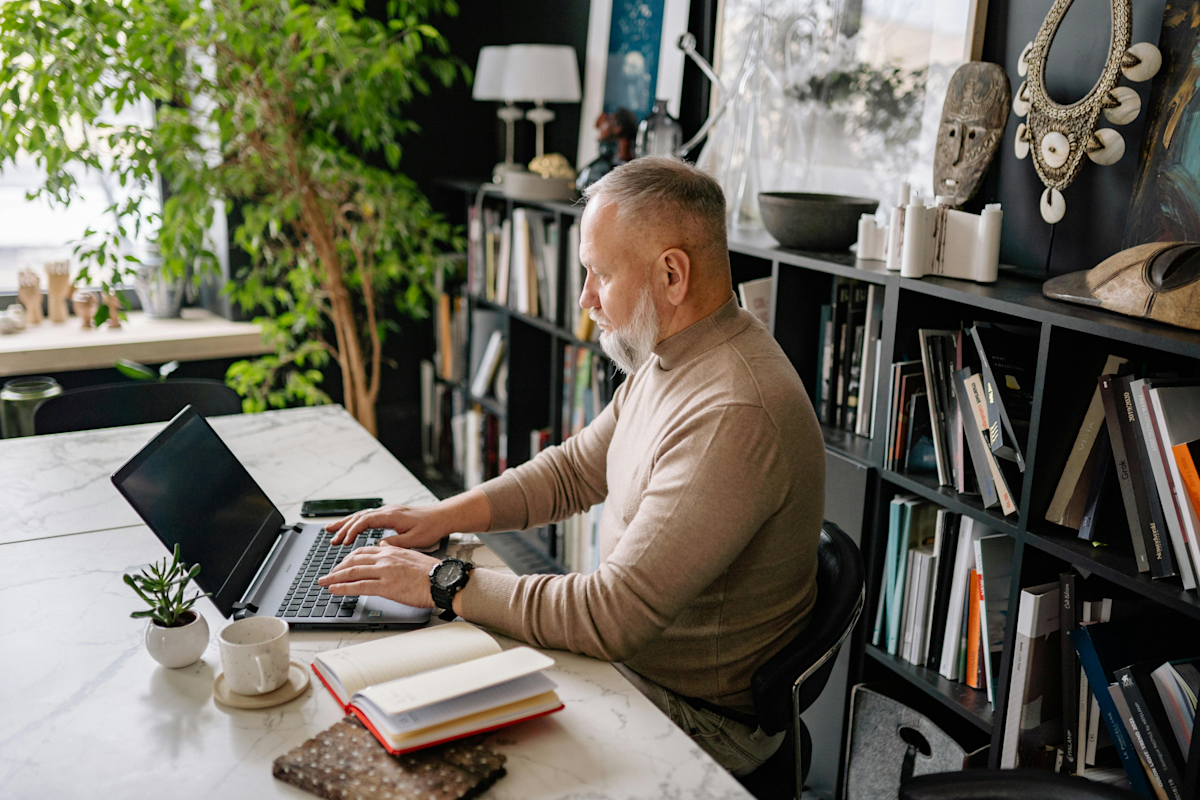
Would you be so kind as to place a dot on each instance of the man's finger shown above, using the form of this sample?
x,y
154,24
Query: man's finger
x,y
353,573
368,587
360,523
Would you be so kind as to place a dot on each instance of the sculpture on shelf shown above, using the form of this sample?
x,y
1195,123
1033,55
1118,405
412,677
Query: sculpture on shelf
x,y
1060,136
934,240
617,130
58,288
1158,281
12,319
85,304
973,117
29,292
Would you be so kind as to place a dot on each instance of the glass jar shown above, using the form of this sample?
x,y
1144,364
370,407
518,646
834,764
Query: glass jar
x,y
658,134
19,398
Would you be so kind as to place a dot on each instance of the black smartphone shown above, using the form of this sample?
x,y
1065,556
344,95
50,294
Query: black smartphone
x,y
338,508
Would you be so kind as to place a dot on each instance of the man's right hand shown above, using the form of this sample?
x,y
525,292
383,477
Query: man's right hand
x,y
418,526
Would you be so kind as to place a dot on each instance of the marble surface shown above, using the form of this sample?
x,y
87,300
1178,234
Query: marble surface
x,y
59,485
85,712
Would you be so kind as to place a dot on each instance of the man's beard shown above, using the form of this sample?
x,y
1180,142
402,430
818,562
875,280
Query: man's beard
x,y
630,347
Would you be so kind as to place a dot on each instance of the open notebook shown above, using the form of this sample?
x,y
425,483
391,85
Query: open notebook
x,y
434,685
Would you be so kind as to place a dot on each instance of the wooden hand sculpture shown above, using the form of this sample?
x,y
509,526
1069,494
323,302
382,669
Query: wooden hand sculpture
x,y
29,292
85,304
114,309
59,288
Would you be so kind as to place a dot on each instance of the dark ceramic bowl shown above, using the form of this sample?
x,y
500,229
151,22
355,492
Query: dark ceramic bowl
x,y
822,222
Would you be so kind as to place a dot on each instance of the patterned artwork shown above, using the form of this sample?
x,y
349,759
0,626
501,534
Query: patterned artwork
x,y
1166,199
633,44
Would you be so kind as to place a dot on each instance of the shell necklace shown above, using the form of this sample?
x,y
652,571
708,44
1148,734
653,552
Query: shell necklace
x,y
1059,136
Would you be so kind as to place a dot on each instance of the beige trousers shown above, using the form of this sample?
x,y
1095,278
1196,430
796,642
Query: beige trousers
x,y
735,746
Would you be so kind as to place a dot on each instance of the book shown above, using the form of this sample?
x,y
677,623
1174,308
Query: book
x,y
1178,685
994,556
1008,363
755,297
1149,509
1142,546
1032,718
976,443
824,361
1161,751
1177,419
1104,516
869,377
976,413
915,523
841,307
850,363
964,563
504,268
1106,647
486,370
1070,495
344,762
947,548
975,677
1125,715
1068,620
434,685
1172,494
907,377
921,453
933,366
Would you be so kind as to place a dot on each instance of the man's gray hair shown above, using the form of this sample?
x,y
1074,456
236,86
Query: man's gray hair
x,y
652,187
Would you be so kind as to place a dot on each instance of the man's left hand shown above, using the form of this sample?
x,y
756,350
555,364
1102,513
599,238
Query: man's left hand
x,y
396,573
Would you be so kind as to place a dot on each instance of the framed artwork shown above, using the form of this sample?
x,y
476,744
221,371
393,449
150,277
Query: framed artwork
x,y
1165,206
632,59
835,96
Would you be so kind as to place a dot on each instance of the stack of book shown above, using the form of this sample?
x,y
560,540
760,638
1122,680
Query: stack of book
x,y
945,592
578,540
514,262
587,388
1103,689
848,352
962,410
1134,462
458,437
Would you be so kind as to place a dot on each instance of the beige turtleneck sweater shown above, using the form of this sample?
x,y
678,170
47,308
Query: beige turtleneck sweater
x,y
711,467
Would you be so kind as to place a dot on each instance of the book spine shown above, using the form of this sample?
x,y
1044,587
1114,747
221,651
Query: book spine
x,y
973,631
1150,513
1152,743
941,600
1135,735
1188,473
1116,729
1068,620
1160,479
1121,461
976,444
822,383
841,307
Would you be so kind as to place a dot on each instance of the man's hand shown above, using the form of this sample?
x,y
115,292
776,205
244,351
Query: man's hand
x,y
392,572
419,526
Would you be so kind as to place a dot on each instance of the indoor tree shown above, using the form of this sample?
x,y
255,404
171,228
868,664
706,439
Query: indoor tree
x,y
288,114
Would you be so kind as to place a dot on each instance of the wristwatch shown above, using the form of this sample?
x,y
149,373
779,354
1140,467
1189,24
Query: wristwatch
x,y
445,581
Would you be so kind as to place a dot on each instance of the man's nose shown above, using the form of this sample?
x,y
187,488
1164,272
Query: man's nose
x,y
588,297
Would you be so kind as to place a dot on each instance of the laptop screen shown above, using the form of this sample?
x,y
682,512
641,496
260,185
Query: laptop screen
x,y
192,491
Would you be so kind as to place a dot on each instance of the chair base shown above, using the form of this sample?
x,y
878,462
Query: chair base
x,y
776,778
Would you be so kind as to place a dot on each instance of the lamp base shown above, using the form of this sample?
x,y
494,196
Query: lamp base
x,y
502,169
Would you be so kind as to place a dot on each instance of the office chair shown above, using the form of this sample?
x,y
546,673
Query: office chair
x,y
793,678
1008,784
134,403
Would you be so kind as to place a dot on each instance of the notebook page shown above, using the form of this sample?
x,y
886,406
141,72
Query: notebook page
x,y
406,694
455,708
361,665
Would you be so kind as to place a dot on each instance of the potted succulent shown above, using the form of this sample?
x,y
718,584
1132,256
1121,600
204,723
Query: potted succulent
x,y
176,636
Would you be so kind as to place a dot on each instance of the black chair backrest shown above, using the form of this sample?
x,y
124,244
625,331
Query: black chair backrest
x,y
134,403
840,586
1008,784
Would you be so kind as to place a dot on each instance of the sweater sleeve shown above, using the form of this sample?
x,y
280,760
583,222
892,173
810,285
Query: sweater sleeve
x,y
559,482
714,482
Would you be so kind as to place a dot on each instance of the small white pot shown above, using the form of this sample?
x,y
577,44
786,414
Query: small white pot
x,y
177,647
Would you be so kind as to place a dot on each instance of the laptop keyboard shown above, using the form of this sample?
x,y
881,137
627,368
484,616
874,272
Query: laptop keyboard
x,y
305,598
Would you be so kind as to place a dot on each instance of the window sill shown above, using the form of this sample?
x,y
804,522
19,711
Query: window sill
x,y
198,334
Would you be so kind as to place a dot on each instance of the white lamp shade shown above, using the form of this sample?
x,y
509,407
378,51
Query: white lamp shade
x,y
489,73
547,72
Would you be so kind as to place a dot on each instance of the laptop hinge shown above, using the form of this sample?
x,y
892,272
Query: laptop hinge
x,y
251,600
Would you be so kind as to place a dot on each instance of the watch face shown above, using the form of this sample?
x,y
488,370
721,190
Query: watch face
x,y
448,574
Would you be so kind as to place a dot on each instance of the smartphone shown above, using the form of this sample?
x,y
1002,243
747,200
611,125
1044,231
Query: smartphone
x,y
338,508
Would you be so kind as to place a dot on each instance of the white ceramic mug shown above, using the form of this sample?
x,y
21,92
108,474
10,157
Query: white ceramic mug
x,y
255,655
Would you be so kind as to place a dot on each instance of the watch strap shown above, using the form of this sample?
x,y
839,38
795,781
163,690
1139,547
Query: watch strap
x,y
443,596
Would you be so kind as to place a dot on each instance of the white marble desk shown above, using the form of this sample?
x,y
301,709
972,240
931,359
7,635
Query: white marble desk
x,y
85,712
59,485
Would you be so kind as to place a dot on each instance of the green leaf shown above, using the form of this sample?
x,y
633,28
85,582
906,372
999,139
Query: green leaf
x,y
101,316
130,369
167,369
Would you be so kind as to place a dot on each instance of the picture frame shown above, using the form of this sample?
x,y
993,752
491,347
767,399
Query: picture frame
x,y
670,17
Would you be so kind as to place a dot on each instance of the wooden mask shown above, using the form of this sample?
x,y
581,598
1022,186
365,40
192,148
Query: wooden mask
x,y
973,118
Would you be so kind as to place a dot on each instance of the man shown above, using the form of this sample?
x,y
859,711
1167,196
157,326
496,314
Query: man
x,y
709,461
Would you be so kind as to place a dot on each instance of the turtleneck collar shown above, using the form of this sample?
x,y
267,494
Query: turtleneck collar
x,y
701,336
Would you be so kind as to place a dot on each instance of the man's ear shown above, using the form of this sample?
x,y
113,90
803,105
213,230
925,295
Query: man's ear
x,y
679,275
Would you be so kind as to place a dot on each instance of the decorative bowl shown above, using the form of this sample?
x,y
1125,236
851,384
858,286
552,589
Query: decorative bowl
x,y
820,222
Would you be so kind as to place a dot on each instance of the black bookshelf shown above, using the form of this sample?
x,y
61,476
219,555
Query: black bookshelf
x,y
1073,343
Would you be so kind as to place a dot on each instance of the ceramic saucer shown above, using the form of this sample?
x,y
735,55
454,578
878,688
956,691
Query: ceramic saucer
x,y
296,684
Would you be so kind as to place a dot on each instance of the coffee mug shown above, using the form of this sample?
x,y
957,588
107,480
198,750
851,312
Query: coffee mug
x,y
255,655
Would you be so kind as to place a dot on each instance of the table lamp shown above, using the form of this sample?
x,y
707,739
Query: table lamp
x,y
489,85
541,73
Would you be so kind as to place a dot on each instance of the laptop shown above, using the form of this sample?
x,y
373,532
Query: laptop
x,y
192,491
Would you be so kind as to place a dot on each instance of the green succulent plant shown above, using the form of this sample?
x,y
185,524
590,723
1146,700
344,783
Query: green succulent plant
x,y
162,588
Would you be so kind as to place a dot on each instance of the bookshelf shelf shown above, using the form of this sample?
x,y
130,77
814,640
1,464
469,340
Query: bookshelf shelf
x,y
1117,567
854,447
926,486
970,704
539,322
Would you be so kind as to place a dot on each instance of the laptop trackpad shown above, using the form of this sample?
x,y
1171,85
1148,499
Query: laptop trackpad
x,y
380,609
